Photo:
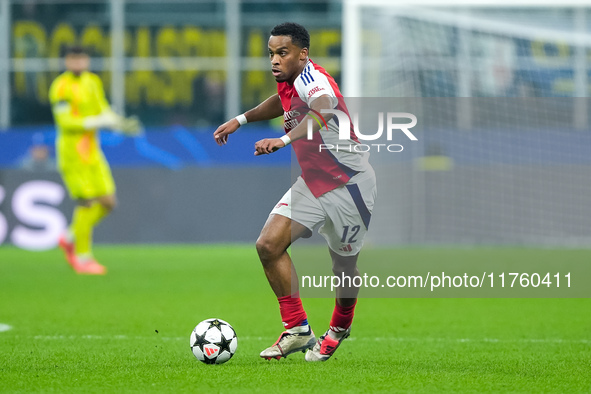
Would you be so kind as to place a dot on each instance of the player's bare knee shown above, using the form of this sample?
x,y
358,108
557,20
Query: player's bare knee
x,y
84,203
268,249
344,265
109,203
345,270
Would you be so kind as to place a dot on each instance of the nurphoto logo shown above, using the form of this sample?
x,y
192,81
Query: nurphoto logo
x,y
344,127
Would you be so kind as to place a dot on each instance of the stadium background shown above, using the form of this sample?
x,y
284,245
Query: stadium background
x,y
186,66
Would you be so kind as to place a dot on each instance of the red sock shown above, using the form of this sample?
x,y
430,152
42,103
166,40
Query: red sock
x,y
292,311
342,317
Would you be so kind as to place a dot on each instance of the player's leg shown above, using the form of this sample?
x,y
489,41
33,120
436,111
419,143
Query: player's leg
x,y
101,186
67,240
85,183
87,216
277,234
286,223
346,297
82,226
103,190
344,309
346,293
104,205
349,212
74,179
104,186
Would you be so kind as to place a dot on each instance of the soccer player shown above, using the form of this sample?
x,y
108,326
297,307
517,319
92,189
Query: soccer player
x,y
336,190
80,109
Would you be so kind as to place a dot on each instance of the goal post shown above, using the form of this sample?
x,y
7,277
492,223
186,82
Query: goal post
x,y
362,17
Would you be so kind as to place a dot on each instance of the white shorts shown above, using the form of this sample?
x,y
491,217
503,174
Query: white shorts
x,y
343,213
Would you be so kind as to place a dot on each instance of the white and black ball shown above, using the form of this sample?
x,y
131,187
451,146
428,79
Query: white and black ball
x,y
213,341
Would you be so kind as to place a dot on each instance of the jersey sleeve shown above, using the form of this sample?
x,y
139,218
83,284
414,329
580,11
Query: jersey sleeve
x,y
63,113
311,84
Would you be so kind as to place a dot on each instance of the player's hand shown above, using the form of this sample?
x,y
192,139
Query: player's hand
x,y
222,132
131,126
268,145
105,120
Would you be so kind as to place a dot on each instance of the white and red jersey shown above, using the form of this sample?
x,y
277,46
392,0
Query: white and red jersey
x,y
322,169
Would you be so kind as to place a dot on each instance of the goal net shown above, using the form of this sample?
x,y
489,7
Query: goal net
x,y
504,150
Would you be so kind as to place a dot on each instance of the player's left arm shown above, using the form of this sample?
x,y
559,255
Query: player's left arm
x,y
107,118
270,145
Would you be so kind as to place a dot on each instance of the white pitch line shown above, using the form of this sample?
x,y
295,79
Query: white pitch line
x,y
5,327
361,339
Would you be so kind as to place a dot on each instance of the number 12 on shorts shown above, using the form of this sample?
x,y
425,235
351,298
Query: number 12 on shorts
x,y
354,231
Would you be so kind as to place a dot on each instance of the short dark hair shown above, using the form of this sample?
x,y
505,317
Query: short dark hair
x,y
75,50
298,33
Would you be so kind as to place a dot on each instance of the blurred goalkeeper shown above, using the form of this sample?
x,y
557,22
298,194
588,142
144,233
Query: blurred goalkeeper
x,y
80,109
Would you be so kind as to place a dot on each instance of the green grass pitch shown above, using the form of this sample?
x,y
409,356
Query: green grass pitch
x,y
129,330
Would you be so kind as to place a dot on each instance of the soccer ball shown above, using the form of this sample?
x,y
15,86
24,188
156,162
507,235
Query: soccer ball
x,y
213,341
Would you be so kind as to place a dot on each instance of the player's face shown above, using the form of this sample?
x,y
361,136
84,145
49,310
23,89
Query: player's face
x,y
287,59
77,63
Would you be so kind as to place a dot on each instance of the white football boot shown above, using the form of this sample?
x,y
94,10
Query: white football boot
x,y
290,343
325,347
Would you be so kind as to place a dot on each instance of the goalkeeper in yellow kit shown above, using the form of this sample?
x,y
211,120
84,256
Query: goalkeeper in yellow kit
x,y
80,109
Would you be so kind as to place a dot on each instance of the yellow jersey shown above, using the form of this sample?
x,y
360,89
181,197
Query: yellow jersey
x,y
72,99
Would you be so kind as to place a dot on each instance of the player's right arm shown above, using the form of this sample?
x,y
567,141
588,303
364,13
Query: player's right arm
x,y
271,108
130,126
